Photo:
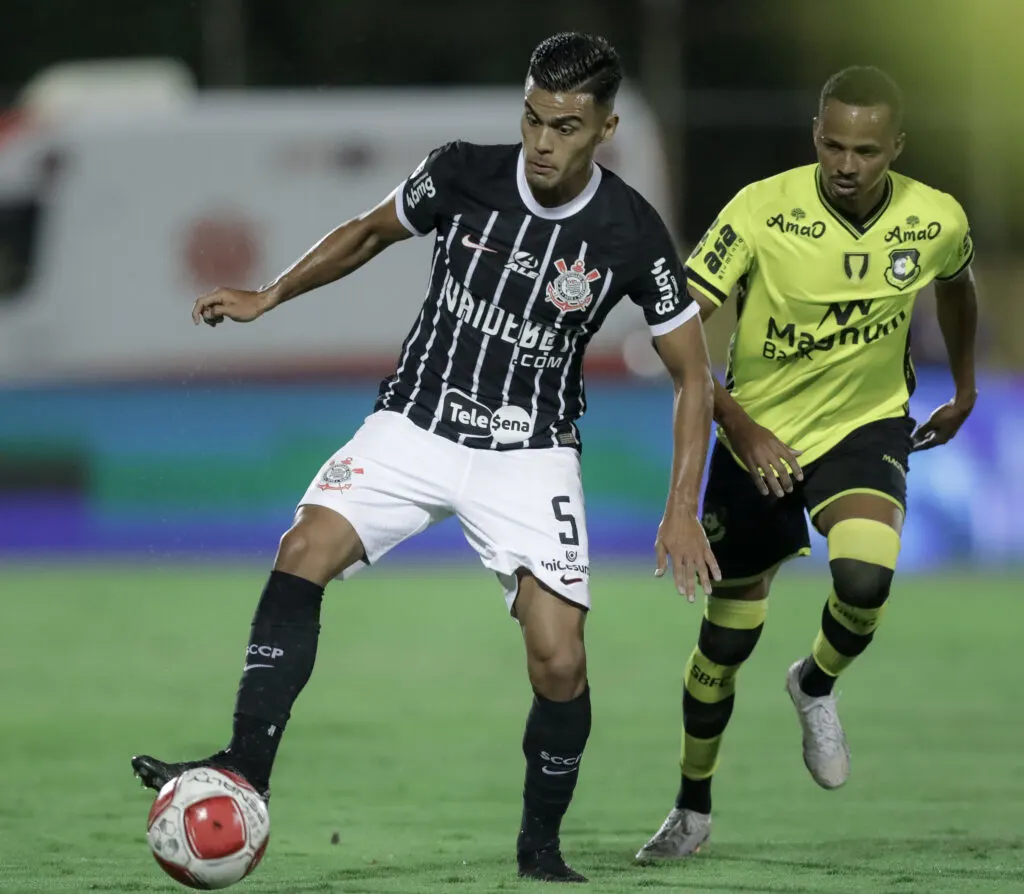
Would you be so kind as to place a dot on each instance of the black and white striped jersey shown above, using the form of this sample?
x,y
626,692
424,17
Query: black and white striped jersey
x,y
516,291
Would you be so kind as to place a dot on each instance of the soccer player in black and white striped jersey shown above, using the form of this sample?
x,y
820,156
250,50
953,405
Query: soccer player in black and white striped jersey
x,y
534,244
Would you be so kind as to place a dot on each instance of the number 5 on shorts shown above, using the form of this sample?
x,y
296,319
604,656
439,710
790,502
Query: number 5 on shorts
x,y
573,537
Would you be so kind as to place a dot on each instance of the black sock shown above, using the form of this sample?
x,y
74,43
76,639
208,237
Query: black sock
x,y
814,681
694,794
556,734
278,664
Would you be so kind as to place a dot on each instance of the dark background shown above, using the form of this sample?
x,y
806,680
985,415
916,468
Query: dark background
x,y
734,84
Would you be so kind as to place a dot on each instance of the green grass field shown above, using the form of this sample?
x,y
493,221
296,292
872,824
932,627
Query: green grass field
x,y
407,741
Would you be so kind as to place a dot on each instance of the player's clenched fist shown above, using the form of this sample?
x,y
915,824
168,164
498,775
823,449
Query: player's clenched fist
x,y
232,304
681,537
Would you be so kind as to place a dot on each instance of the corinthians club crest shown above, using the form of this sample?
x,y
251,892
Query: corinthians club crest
x,y
570,290
338,475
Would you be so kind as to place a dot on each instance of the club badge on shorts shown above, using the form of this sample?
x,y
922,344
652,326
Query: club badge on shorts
x,y
570,290
338,475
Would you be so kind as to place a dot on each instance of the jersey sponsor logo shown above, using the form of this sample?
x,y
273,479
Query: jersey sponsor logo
x,y
668,288
783,341
523,263
842,313
560,567
855,265
570,290
913,232
699,247
469,417
721,255
904,267
338,475
418,190
538,346
813,230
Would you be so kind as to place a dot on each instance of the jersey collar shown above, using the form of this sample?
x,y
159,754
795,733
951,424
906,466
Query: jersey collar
x,y
854,229
559,212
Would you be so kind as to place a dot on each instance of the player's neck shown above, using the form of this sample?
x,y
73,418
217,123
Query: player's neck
x,y
861,208
566,191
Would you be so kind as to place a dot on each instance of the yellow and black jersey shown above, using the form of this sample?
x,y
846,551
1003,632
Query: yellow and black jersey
x,y
821,345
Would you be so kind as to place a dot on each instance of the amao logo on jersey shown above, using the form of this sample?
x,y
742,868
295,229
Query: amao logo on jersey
x,y
469,417
814,230
914,232
570,290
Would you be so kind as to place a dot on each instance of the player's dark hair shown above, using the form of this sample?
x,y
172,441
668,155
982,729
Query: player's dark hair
x,y
571,62
864,85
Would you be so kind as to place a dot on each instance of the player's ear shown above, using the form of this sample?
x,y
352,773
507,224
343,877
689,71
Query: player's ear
x,y
610,124
814,130
899,143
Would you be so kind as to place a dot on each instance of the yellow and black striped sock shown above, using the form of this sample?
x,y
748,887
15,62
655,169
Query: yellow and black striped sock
x,y
862,557
728,634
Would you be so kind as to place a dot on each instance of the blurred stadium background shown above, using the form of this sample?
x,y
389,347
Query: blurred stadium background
x,y
149,150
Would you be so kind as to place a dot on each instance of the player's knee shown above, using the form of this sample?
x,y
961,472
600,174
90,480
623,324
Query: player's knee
x,y
861,584
862,557
725,645
731,628
559,671
316,547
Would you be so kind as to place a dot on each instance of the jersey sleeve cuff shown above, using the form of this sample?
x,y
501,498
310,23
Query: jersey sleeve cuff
x,y
400,210
715,295
960,269
687,313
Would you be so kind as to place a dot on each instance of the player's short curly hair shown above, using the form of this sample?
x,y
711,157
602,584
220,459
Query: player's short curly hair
x,y
864,85
571,62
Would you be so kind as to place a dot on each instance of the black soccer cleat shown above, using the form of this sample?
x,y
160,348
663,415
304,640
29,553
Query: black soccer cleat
x,y
155,774
547,865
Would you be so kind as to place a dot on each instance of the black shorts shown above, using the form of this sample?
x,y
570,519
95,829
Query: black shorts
x,y
751,533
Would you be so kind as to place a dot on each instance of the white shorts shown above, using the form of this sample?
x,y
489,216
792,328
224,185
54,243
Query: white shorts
x,y
518,508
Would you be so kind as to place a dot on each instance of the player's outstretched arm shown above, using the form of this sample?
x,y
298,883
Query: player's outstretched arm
x,y
956,305
338,254
680,535
768,460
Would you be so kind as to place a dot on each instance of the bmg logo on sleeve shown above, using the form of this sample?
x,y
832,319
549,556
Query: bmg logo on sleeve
x,y
421,188
668,287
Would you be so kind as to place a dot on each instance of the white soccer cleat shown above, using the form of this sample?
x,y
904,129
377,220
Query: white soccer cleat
x,y
682,834
826,752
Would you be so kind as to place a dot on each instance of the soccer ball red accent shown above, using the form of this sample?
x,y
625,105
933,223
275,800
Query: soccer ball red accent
x,y
208,828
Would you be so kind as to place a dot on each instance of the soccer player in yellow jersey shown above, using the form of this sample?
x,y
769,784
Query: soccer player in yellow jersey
x,y
823,263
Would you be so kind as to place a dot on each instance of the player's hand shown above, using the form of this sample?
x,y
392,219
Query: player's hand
x,y
232,304
681,538
772,464
943,423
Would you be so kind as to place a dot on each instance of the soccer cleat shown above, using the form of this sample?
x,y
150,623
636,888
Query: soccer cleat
x,y
547,865
155,774
681,835
826,752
